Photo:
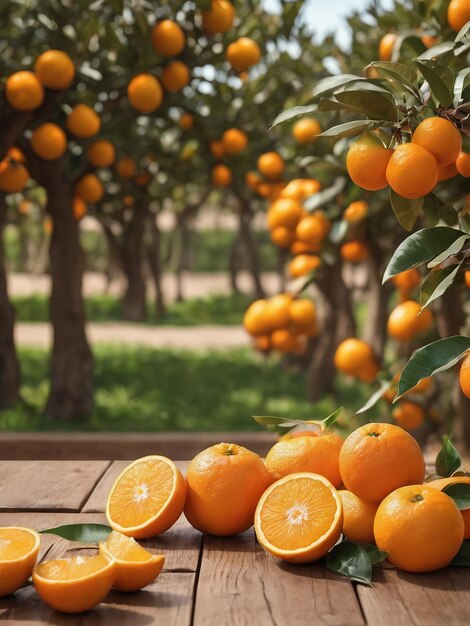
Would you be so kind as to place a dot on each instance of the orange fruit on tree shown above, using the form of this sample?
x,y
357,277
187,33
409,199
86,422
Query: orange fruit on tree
x,y
386,46
440,137
412,171
441,483
243,54
49,141
467,278
126,167
135,567
271,165
313,229
55,69
354,251
19,549
221,175
83,121
407,280
186,121
147,498
419,527
217,148
358,517
89,188
263,343
408,415
285,341
446,172
75,584
234,141
278,311
306,454
356,358
302,314
299,247
216,477
407,320
282,237
458,14
13,175
367,162
299,518
175,76
356,211
256,320
464,376
252,180
463,164
378,458
101,153
24,91
306,130
79,208
168,38
429,40
285,212
303,264
145,93
300,188
219,18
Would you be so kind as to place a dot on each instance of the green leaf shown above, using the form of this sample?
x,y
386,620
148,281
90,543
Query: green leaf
x,y
351,560
401,73
326,195
376,556
448,460
331,419
436,283
421,247
454,248
375,397
350,129
436,51
375,105
460,493
434,74
283,422
86,533
461,83
333,82
431,359
290,114
462,558
406,210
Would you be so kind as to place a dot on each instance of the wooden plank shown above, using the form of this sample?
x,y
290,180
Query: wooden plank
x,y
403,599
48,485
240,584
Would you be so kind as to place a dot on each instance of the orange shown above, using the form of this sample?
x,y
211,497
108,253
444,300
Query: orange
x,y
75,584
19,549
262,344
221,175
243,54
145,93
386,46
303,264
24,91
15,154
186,121
356,211
13,176
256,319
49,141
128,200
175,76
446,172
55,69
83,121
467,278
234,141
285,212
464,376
429,40
252,180
408,415
168,38
354,251
126,167
440,137
135,568
306,130
313,229
355,357
419,527
440,483
79,208
217,149
271,165
278,311
407,320
299,518
412,171
358,517
282,236
306,454
458,14
302,314
299,247
378,458
284,340
101,153
89,188
407,280
143,179
300,188
463,164
367,162
225,483
219,18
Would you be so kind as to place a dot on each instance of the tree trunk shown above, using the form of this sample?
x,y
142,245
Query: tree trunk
x,y
134,302
71,391
254,265
113,268
233,264
183,252
376,325
9,366
153,249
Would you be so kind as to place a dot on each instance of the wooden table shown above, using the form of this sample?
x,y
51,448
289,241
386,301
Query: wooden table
x,y
209,581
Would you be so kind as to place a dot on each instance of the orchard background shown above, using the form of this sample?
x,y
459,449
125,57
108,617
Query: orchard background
x,y
166,165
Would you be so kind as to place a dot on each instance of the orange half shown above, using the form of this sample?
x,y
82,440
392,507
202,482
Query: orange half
x,y
299,517
147,497
135,567
19,548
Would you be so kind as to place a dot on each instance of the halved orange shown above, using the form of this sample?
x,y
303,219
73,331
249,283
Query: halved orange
x,y
135,567
75,584
299,517
19,548
147,497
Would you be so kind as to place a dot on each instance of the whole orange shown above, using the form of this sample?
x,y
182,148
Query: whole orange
x,y
463,164
126,167
306,130
440,137
313,229
101,153
24,91
408,415
83,121
282,236
358,517
145,93
407,280
89,188
302,314
355,357
175,76
284,212
458,14
168,38
356,211
300,188
49,141
367,162
278,311
386,46
412,171
221,175
440,483
224,484
354,251
303,264
271,165
217,148
243,54
256,319
464,376
407,320
219,18
234,141
55,69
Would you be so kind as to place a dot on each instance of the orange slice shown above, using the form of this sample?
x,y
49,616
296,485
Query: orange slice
x,y
147,497
75,584
19,548
299,517
135,567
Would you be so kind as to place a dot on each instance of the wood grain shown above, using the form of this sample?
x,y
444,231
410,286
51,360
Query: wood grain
x,y
240,584
48,485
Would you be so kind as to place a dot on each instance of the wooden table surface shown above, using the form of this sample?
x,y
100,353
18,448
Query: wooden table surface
x,y
210,581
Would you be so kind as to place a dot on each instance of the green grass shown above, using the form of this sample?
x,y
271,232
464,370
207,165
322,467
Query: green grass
x,y
216,309
140,389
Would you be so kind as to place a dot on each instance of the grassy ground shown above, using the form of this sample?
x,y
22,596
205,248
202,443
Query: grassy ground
x,y
162,390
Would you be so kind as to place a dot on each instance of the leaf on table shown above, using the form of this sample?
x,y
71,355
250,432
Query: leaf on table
x,y
87,533
460,493
351,560
448,460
